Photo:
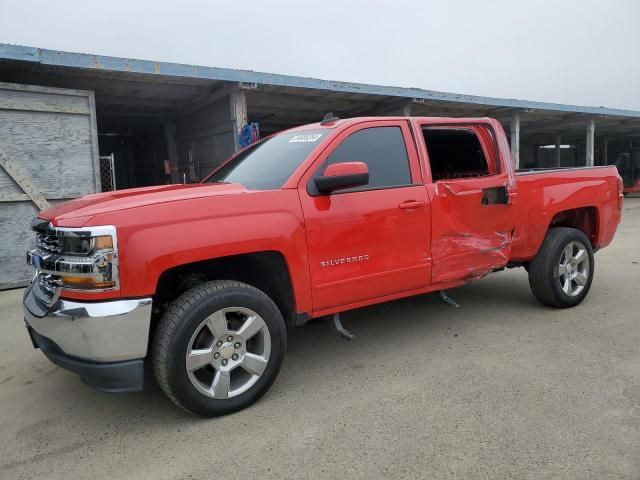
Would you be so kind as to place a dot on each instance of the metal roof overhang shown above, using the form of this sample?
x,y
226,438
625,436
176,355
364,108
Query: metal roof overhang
x,y
143,94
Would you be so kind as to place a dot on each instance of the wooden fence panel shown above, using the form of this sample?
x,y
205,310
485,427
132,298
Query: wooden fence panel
x,y
49,135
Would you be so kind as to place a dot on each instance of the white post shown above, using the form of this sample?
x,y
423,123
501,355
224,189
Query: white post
x,y
558,143
515,140
406,110
238,107
591,132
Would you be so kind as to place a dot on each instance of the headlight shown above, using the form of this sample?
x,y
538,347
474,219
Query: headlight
x,y
77,245
93,272
77,258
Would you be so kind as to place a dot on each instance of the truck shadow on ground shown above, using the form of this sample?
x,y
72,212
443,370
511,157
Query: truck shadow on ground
x,y
317,360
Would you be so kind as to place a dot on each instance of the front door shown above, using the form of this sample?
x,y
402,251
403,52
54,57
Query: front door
x,y
472,214
370,241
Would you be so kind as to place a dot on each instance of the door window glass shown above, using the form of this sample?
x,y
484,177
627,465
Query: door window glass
x,y
382,149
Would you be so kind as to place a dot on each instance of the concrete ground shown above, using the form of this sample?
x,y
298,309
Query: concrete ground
x,y
500,388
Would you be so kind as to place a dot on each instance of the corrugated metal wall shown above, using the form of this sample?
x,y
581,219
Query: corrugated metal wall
x,y
49,136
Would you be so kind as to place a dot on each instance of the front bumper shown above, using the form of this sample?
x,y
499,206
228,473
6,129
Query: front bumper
x,y
112,377
104,342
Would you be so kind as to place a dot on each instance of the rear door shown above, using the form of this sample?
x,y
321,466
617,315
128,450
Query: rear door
x,y
371,241
472,214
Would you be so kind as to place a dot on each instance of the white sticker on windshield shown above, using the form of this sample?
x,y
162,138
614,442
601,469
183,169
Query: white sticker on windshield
x,y
306,138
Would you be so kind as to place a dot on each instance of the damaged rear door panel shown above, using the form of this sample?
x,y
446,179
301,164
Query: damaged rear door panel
x,y
472,212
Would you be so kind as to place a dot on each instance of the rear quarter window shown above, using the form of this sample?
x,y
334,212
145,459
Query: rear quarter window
x,y
456,153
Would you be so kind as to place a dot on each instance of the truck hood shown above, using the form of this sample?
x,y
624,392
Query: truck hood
x,y
79,211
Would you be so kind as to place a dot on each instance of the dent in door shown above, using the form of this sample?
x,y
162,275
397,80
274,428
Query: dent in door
x,y
464,246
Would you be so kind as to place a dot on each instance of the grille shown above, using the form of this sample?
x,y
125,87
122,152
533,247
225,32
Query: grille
x,y
48,288
49,283
48,243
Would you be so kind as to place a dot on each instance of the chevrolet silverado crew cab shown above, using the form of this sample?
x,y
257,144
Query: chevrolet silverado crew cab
x,y
201,281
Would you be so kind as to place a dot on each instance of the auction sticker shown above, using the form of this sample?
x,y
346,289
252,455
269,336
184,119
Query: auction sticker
x,y
305,138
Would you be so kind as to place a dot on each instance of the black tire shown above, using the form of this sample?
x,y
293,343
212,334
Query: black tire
x,y
173,338
544,275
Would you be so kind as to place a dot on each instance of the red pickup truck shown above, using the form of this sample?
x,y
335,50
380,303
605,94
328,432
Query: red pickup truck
x,y
202,280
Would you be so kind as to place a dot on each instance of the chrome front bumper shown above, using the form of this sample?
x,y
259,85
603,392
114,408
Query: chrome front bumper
x,y
108,331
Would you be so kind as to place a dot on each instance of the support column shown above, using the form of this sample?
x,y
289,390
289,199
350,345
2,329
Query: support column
x,y
406,110
605,150
172,150
558,151
590,143
515,140
238,104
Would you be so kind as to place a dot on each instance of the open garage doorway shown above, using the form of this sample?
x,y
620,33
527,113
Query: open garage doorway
x,y
165,132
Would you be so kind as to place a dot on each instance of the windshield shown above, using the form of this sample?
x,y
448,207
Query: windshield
x,y
268,164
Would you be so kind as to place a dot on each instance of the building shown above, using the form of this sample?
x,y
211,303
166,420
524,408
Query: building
x,y
154,122
148,112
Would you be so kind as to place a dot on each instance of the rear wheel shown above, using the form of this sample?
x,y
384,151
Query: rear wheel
x,y
561,273
219,347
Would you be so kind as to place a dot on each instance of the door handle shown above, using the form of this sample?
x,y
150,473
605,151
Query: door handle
x,y
411,205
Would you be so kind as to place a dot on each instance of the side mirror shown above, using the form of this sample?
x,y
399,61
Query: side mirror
x,y
343,175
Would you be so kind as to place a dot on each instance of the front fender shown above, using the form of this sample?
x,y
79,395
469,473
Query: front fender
x,y
155,239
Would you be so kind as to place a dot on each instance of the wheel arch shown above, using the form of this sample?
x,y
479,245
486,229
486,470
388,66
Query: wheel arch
x,y
266,270
585,219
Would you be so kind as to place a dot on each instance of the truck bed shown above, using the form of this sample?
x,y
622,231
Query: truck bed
x,y
528,171
588,193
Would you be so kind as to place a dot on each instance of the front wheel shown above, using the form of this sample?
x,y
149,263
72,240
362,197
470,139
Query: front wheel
x,y
561,273
218,348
